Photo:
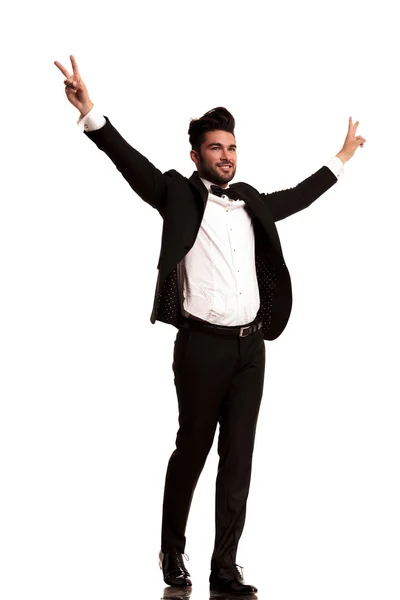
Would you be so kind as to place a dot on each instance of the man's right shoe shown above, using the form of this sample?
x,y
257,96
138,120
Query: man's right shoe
x,y
174,570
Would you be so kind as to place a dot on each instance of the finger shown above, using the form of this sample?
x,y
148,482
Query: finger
x,y
356,124
350,123
73,84
62,69
74,64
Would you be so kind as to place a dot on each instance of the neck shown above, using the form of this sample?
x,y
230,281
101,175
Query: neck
x,y
222,184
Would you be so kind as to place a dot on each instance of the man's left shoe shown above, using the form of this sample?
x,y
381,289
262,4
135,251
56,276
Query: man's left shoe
x,y
230,581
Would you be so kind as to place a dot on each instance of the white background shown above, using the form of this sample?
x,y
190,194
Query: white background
x,y
88,406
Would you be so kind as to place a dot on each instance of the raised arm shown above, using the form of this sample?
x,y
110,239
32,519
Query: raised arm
x,y
284,203
143,177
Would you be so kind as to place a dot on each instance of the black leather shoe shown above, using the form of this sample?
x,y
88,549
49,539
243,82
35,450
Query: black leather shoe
x,y
229,580
174,570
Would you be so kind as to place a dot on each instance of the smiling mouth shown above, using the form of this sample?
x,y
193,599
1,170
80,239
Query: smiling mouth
x,y
225,167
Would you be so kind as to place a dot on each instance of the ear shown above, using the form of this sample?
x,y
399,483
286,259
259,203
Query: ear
x,y
195,157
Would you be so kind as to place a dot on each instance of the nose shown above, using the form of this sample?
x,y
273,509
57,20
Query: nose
x,y
224,155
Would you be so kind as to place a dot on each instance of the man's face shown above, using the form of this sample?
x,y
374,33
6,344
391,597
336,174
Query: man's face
x,y
216,160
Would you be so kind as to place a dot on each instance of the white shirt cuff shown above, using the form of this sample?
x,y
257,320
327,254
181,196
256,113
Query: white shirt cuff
x,y
91,121
336,166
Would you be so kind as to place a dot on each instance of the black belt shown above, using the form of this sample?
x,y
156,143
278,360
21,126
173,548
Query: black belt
x,y
227,331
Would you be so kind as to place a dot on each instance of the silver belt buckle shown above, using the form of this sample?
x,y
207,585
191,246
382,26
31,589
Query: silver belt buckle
x,y
242,329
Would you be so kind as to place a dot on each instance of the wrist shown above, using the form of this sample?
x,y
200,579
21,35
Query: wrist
x,y
344,156
84,110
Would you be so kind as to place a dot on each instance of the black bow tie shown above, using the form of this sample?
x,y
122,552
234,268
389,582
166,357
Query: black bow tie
x,y
219,191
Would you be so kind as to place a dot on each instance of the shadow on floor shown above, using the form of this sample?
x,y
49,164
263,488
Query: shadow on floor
x,y
175,593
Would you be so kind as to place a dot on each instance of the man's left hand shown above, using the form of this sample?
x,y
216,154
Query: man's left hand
x,y
351,143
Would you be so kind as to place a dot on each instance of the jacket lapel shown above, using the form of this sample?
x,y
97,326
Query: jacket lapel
x,y
260,210
200,187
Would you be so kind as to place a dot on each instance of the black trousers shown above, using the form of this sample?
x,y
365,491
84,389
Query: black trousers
x,y
218,380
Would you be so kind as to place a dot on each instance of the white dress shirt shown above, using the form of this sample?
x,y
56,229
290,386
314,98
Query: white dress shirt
x,y
217,277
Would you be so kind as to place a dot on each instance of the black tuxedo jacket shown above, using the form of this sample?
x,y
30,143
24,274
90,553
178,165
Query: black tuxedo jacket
x,y
181,203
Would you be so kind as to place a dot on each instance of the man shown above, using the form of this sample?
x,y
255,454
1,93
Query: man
x,y
224,284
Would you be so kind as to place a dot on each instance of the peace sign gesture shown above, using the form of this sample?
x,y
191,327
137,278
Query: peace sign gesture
x,y
352,142
75,89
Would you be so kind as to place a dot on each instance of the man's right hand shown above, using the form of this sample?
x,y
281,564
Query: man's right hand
x,y
75,89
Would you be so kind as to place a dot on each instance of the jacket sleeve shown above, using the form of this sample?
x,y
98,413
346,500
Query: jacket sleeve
x,y
143,177
284,203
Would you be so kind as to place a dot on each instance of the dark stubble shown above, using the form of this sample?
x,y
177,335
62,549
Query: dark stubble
x,y
206,171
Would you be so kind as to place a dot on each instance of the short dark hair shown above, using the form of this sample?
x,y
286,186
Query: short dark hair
x,y
215,119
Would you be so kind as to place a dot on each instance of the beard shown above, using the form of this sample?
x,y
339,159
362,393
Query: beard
x,y
215,175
